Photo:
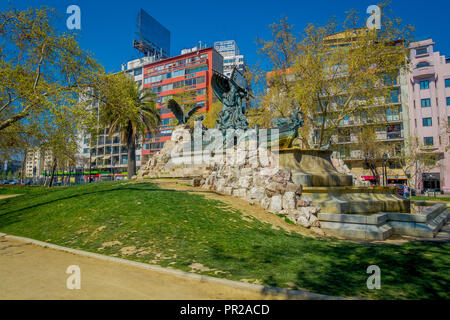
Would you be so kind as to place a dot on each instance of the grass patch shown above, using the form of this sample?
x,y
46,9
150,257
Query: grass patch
x,y
142,222
20,189
423,198
286,219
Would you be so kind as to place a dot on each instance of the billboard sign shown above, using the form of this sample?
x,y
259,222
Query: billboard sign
x,y
152,37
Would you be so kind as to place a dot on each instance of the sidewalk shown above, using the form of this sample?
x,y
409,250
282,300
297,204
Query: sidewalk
x,y
28,271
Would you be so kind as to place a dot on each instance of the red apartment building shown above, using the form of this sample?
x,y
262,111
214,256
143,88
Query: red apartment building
x,y
191,71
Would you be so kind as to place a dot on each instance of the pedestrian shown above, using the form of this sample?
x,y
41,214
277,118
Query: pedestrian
x,y
405,191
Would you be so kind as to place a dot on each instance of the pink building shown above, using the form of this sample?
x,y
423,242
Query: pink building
x,y
429,110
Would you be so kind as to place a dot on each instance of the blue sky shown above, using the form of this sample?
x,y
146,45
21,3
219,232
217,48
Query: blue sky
x,y
107,27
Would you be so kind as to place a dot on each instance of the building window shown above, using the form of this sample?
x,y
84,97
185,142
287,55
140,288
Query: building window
x,y
395,165
137,71
178,73
427,122
196,69
86,150
426,103
423,64
447,83
395,94
394,131
421,51
201,92
448,120
428,141
200,79
393,114
138,158
425,84
448,101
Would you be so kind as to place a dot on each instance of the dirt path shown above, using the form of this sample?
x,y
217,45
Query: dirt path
x,y
245,207
6,196
29,271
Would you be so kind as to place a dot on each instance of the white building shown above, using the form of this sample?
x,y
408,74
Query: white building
x,y
231,56
37,162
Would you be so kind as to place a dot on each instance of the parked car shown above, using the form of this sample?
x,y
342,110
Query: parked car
x,y
27,182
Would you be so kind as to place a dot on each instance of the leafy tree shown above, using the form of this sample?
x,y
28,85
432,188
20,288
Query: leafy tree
x,y
371,150
332,73
212,115
124,106
42,70
9,177
417,159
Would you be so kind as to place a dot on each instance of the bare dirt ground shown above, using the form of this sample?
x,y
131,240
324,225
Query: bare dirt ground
x,y
6,196
28,271
243,206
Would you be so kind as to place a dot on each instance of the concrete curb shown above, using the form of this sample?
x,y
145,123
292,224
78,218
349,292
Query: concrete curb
x,y
269,291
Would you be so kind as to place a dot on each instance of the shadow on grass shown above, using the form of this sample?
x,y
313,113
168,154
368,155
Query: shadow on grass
x,y
8,201
416,270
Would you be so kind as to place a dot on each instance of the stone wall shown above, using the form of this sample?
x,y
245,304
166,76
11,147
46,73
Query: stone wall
x,y
268,185
255,177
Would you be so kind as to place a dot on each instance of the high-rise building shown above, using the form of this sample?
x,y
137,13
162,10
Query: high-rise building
x,y
231,56
429,108
37,162
390,121
190,71
107,156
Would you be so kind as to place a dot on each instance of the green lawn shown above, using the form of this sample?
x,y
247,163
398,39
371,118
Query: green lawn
x,y
176,229
442,199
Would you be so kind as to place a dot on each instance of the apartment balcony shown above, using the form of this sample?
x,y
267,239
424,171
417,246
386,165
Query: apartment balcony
x,y
346,139
365,122
424,72
390,136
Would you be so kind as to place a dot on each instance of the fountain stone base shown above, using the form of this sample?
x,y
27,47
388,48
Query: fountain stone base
x,y
332,190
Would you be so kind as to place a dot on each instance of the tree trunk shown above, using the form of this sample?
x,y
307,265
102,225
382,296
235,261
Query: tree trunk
x,y
373,168
50,184
22,168
131,145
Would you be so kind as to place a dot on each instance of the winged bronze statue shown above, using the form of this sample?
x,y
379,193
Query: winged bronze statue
x,y
231,94
179,113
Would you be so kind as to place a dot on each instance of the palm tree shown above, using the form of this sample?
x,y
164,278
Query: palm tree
x,y
130,110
